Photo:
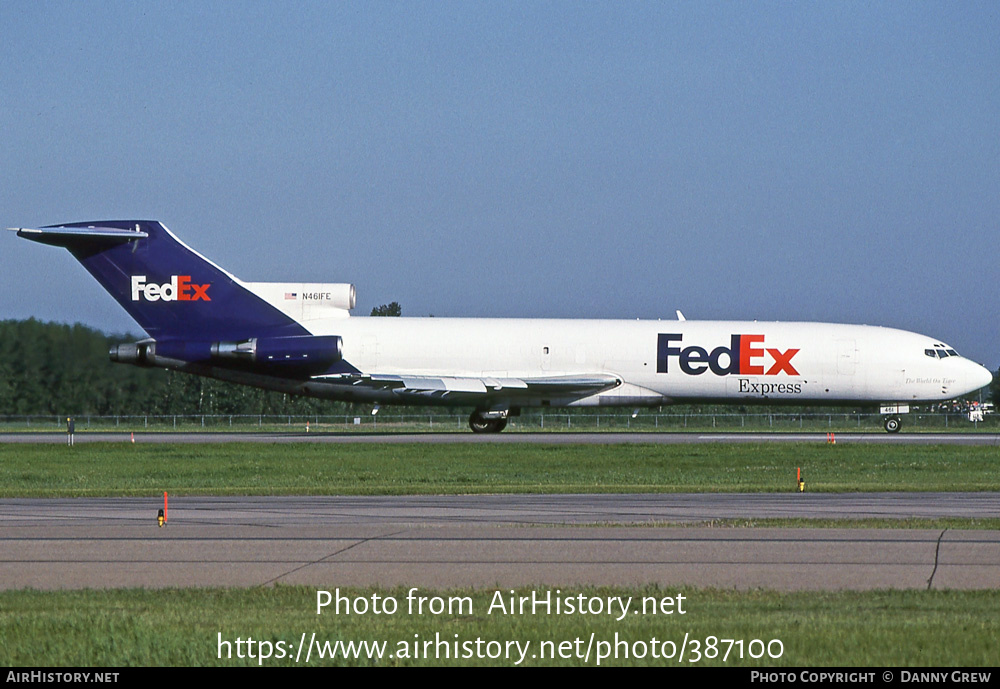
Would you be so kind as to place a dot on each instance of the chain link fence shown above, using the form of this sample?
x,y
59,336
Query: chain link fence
x,y
554,421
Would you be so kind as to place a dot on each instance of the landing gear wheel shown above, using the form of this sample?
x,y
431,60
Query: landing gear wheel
x,y
480,425
892,424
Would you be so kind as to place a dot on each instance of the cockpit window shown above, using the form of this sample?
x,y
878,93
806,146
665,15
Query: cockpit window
x,y
940,351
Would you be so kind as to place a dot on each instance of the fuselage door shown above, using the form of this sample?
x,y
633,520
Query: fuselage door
x,y
847,357
369,352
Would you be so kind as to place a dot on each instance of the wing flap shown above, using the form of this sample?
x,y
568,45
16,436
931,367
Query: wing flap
x,y
404,384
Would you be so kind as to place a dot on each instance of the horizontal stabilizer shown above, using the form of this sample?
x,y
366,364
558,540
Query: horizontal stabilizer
x,y
79,236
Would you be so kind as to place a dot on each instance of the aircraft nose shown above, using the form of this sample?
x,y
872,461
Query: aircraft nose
x,y
978,376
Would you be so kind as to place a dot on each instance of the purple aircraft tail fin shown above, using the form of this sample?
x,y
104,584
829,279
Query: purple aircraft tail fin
x,y
171,291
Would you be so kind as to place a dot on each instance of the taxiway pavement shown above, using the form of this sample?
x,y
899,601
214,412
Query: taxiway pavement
x,y
495,540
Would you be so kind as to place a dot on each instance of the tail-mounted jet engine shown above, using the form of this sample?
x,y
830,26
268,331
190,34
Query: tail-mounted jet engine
x,y
308,353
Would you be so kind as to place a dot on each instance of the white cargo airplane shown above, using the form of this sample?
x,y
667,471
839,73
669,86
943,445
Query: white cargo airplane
x,y
299,339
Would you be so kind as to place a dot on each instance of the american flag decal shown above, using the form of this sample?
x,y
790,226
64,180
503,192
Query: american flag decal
x,y
291,295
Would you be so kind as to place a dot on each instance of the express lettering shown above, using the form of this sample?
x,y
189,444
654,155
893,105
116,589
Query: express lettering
x,y
755,388
180,288
745,355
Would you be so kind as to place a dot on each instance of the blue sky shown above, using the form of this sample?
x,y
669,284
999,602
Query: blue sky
x,y
779,161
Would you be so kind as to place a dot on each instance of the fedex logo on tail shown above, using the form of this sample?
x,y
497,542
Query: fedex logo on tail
x,y
180,288
746,355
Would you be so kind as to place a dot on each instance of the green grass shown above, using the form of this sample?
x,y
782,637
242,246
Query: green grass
x,y
124,469
182,627
116,628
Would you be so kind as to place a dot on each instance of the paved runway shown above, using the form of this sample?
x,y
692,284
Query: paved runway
x,y
593,438
446,541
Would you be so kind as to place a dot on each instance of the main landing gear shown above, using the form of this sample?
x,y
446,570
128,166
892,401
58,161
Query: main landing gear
x,y
487,422
892,424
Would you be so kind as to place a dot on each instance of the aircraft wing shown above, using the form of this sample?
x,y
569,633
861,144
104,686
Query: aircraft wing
x,y
447,386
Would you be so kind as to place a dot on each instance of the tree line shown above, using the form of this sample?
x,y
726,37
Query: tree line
x,y
59,369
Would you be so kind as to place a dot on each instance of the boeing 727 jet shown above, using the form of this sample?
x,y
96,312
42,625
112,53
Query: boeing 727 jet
x,y
299,338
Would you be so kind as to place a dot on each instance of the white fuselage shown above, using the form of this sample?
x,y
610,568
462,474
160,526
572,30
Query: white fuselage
x,y
660,362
